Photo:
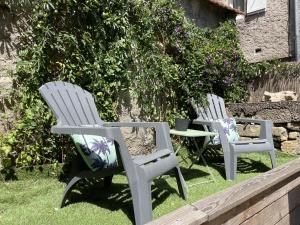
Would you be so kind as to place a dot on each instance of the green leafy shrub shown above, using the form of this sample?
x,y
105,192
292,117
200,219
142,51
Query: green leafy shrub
x,y
110,47
17,5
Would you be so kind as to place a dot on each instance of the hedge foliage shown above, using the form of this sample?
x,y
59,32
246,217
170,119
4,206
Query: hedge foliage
x,y
113,48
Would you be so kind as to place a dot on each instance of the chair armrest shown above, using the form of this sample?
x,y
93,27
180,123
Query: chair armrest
x,y
216,126
162,131
134,124
249,120
91,130
265,129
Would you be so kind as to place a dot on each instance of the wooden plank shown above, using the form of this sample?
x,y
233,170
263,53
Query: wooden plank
x,y
235,196
271,214
260,192
294,198
291,219
284,221
187,215
268,210
257,204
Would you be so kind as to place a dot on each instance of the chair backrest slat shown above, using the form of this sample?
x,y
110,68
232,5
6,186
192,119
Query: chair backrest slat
x,y
211,108
215,109
202,114
216,106
81,96
71,104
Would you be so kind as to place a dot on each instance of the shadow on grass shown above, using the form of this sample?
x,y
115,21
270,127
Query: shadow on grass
x,y
117,196
190,174
245,165
8,174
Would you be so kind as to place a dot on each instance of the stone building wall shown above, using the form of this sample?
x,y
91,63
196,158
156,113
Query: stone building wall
x,y
298,40
265,36
11,27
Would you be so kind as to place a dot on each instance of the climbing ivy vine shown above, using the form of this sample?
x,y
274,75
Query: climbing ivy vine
x,y
111,48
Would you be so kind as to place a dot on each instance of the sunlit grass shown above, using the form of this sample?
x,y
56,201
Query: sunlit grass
x,y
35,199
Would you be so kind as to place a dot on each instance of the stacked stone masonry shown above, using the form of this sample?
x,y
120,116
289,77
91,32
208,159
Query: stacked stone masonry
x,y
284,139
11,27
284,115
265,36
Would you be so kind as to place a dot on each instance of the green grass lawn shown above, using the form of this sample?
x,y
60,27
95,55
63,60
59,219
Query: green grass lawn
x,y
34,199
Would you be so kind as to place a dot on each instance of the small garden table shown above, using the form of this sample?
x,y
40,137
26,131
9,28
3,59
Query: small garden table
x,y
190,133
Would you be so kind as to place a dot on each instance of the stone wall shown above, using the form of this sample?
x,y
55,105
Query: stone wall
x,y
141,140
284,115
11,27
298,40
285,138
265,36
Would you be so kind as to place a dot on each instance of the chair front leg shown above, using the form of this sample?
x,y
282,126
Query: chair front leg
x,y
180,183
227,151
74,181
142,201
273,158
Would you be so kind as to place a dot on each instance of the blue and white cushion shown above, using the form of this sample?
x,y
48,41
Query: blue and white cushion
x,y
229,128
98,152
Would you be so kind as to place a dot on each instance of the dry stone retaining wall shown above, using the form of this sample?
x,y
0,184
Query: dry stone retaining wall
x,y
284,139
285,117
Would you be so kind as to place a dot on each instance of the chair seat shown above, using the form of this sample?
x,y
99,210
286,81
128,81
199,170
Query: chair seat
x,y
246,142
258,145
144,159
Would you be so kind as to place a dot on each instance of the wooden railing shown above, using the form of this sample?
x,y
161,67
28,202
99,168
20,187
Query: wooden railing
x,y
271,198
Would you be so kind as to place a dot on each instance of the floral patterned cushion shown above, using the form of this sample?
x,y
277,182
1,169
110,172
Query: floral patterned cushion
x,y
229,127
98,152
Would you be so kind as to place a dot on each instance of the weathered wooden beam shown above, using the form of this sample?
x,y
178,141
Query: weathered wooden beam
x,y
232,197
187,215
260,197
259,204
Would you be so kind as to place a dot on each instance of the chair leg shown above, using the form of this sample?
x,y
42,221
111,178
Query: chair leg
x,y
273,158
142,201
107,181
180,183
234,166
68,188
228,161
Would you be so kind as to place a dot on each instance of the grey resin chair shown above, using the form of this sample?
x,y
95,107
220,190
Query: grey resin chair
x,y
77,114
215,110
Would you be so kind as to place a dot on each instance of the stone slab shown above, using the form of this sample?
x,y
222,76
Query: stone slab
x,y
278,112
293,135
292,147
279,133
248,130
